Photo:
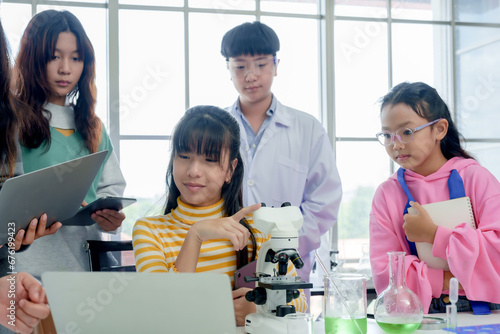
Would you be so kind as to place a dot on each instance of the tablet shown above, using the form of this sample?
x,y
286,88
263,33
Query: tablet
x,y
58,191
84,216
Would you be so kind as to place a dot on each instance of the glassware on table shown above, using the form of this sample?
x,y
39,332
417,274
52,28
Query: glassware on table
x,y
299,323
398,309
334,260
345,304
364,266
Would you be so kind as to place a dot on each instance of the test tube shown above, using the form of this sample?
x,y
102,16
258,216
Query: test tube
x,y
451,310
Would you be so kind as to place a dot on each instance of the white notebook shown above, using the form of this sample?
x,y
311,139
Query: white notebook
x,y
449,214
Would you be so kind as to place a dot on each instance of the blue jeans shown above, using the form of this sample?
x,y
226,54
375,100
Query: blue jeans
x,y
438,305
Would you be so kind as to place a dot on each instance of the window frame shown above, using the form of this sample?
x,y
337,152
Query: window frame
x,y
326,17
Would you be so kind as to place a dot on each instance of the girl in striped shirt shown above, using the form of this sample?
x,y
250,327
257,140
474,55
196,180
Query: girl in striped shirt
x,y
204,227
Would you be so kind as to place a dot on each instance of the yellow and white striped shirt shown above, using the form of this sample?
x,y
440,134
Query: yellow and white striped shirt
x,y
157,241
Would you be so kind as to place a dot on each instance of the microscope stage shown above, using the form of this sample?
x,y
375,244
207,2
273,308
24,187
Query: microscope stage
x,y
286,286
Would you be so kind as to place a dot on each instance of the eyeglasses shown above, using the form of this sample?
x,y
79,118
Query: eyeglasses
x,y
404,135
240,69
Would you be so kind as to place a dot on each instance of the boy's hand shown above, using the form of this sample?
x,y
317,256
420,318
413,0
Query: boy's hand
x,y
418,225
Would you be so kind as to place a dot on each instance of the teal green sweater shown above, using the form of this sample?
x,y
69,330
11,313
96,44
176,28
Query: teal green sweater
x,y
63,149
63,251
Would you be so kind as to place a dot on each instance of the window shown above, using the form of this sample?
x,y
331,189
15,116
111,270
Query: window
x,y
377,47
337,59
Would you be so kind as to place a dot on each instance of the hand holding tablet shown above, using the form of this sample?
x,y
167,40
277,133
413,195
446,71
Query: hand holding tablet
x,y
84,216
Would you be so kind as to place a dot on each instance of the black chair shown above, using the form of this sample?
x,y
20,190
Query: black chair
x,y
110,255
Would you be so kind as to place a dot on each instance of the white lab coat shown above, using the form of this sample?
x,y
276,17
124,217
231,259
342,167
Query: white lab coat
x,y
294,162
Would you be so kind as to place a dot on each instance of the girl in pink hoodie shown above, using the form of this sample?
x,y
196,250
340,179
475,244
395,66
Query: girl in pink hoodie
x,y
420,136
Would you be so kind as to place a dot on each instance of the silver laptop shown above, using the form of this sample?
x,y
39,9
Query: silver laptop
x,y
57,190
125,302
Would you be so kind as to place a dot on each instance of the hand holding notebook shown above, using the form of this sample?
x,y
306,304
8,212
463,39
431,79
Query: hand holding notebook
x,y
449,214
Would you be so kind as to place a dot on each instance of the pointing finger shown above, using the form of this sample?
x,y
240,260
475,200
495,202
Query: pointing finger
x,y
245,211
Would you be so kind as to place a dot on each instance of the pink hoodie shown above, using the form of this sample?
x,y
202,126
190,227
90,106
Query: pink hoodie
x,y
473,255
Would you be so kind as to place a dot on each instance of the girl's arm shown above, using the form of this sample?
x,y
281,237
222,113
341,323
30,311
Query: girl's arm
x,y
474,255
111,183
148,249
228,228
187,259
387,235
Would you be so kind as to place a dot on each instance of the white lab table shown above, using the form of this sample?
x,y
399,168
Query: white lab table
x,y
463,319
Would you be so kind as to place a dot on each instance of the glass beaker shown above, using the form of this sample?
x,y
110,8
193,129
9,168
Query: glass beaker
x,y
299,323
398,309
345,304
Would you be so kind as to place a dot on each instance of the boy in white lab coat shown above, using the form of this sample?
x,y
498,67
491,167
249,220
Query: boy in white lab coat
x,y
286,152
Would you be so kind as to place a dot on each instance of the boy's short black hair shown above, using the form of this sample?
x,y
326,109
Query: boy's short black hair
x,y
250,38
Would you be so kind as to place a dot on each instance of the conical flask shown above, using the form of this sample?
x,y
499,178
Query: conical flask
x,y
398,309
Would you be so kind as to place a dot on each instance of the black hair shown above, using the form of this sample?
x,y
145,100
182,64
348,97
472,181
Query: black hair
x,y
427,103
8,115
211,131
250,38
36,50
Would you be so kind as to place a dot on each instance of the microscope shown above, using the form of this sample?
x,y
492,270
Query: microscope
x,y
273,289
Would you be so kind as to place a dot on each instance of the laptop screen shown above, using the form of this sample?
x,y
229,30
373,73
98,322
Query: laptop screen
x,y
125,302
